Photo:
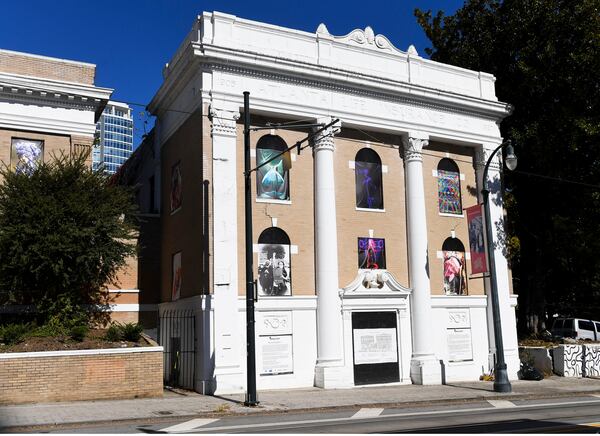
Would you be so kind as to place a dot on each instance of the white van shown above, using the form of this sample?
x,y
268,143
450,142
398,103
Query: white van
x,y
576,328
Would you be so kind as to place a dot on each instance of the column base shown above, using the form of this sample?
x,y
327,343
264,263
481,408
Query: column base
x,y
332,377
425,370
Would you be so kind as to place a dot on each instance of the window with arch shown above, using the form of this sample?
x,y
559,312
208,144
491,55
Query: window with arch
x,y
449,198
273,179
274,266
369,183
455,271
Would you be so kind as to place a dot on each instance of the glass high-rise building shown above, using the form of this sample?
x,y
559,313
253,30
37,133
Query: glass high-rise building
x,y
115,137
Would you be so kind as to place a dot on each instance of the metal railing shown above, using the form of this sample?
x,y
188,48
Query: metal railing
x,y
177,335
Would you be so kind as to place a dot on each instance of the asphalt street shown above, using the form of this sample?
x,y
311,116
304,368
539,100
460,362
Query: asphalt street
x,y
559,415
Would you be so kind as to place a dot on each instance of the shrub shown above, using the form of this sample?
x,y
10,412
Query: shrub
x,y
66,230
131,331
114,333
79,332
14,333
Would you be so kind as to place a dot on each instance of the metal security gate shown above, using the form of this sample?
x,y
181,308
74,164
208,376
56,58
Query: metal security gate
x,y
177,335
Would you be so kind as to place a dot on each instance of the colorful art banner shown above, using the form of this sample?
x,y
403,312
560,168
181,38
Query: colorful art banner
x,y
455,275
272,179
371,253
476,239
26,155
369,192
449,192
176,187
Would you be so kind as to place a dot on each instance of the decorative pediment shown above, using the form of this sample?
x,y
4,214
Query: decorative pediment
x,y
375,283
367,38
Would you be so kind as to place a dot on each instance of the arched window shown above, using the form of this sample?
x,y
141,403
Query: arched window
x,y
273,179
369,184
455,272
449,198
274,263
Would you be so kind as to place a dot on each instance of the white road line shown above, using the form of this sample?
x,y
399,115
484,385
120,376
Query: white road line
x,y
390,416
367,412
188,425
501,404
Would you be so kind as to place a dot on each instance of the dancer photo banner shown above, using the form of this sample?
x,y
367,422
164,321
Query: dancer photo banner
x,y
476,241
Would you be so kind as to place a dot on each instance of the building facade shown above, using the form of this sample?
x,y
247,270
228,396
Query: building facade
x,y
361,246
114,133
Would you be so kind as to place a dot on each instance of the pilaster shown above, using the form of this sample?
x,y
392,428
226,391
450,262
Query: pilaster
x,y
228,369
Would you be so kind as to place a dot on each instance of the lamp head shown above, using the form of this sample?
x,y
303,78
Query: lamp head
x,y
511,157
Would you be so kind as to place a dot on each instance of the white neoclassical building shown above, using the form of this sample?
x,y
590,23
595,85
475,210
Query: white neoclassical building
x,y
366,272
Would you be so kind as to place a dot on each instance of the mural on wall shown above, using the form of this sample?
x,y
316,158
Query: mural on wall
x,y
455,277
369,192
273,178
371,253
476,241
176,277
449,192
176,188
274,271
25,155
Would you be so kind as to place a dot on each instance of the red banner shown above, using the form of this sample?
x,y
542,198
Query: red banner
x,y
476,239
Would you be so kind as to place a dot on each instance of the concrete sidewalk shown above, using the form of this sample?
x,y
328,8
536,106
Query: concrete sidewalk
x,y
189,404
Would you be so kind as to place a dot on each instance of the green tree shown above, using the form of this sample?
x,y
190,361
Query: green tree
x,y
545,55
65,231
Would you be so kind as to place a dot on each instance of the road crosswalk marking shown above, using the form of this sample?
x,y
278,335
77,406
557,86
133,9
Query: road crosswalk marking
x,y
367,412
188,425
501,404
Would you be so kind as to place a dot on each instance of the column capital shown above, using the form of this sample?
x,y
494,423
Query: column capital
x,y
324,140
223,121
413,145
482,154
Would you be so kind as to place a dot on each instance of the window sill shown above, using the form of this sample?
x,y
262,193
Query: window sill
x,y
265,200
452,215
365,209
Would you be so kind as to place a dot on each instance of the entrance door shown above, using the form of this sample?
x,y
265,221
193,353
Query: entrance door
x,y
375,347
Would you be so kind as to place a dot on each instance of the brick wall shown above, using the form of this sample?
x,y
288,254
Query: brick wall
x,y
47,68
80,375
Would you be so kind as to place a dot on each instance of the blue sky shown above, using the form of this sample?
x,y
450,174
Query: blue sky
x,y
130,40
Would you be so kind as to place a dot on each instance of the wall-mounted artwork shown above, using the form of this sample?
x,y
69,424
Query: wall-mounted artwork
x,y
25,155
176,277
449,192
274,270
176,187
273,178
455,277
369,192
371,253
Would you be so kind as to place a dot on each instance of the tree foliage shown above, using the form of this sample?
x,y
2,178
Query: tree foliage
x,y
545,55
64,234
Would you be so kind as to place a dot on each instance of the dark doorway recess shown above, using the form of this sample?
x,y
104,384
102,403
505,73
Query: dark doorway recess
x,y
376,372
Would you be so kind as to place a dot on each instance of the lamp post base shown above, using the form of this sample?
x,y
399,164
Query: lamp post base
x,y
501,383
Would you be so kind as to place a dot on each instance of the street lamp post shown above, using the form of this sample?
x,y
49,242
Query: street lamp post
x,y
501,382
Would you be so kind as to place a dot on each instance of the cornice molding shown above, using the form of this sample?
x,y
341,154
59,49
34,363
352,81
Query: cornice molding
x,y
357,90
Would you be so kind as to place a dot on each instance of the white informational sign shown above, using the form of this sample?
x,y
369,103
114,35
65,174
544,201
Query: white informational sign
x,y
459,345
375,346
276,354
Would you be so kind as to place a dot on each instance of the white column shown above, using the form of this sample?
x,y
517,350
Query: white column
x,y
329,317
507,313
228,372
424,367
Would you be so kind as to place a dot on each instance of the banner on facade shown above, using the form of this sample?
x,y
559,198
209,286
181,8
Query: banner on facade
x,y
476,239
